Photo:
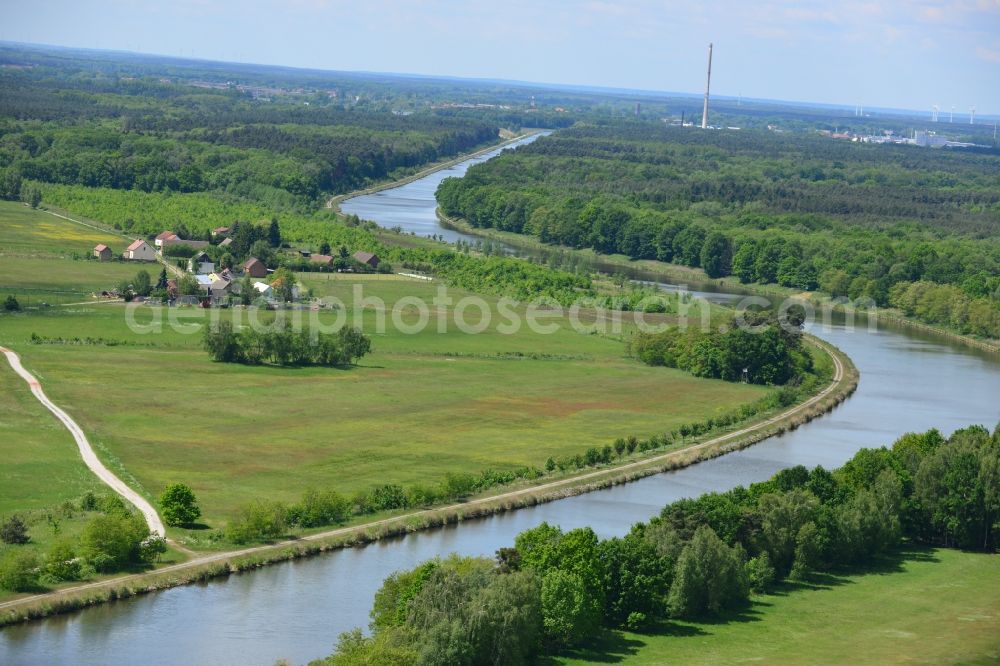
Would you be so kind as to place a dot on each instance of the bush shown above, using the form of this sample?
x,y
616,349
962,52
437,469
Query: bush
x,y
18,571
111,542
320,508
61,562
760,573
386,497
457,485
10,304
88,502
261,520
636,621
14,531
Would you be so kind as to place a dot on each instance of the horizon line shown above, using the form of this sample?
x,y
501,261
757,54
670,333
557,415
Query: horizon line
x,y
484,79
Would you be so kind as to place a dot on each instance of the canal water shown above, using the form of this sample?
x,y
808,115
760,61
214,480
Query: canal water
x,y
910,381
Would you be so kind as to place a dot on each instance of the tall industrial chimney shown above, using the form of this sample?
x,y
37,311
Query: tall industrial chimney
x,y
708,85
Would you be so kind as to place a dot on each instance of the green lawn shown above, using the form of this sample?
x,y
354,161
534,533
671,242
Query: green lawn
x,y
922,606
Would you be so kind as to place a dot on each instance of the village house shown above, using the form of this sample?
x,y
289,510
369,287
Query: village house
x,y
366,258
254,267
201,263
102,252
217,290
322,259
226,242
139,251
221,232
162,236
264,290
227,277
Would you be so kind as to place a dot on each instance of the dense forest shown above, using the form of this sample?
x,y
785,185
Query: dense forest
x,y
700,558
806,212
146,144
155,136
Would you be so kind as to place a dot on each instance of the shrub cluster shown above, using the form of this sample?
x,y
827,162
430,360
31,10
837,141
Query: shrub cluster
x,y
114,539
771,354
283,346
267,520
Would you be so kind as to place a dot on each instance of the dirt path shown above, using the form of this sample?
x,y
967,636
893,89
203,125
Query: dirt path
x,y
89,457
218,557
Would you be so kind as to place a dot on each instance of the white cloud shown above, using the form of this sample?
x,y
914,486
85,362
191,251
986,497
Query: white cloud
x,y
989,55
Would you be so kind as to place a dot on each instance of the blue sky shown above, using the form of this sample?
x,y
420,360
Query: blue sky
x,y
896,53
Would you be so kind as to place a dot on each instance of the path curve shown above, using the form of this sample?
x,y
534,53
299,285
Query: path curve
x,y
838,376
89,457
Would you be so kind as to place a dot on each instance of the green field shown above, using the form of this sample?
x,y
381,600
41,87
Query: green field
x,y
158,411
44,258
41,466
922,606
416,408
28,232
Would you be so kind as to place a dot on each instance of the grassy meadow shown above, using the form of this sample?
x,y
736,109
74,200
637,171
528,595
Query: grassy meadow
x,y
41,466
44,258
421,405
418,407
920,606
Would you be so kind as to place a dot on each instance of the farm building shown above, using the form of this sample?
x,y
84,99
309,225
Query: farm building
x,y
254,267
102,252
162,236
366,258
139,251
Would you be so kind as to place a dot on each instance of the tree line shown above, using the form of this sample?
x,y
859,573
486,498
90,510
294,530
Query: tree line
x,y
554,590
801,212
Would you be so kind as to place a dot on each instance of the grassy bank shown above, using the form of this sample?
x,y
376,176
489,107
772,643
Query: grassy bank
x,y
918,605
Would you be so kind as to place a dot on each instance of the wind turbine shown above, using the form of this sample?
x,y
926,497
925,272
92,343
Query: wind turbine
x,y
972,115
934,113
951,118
